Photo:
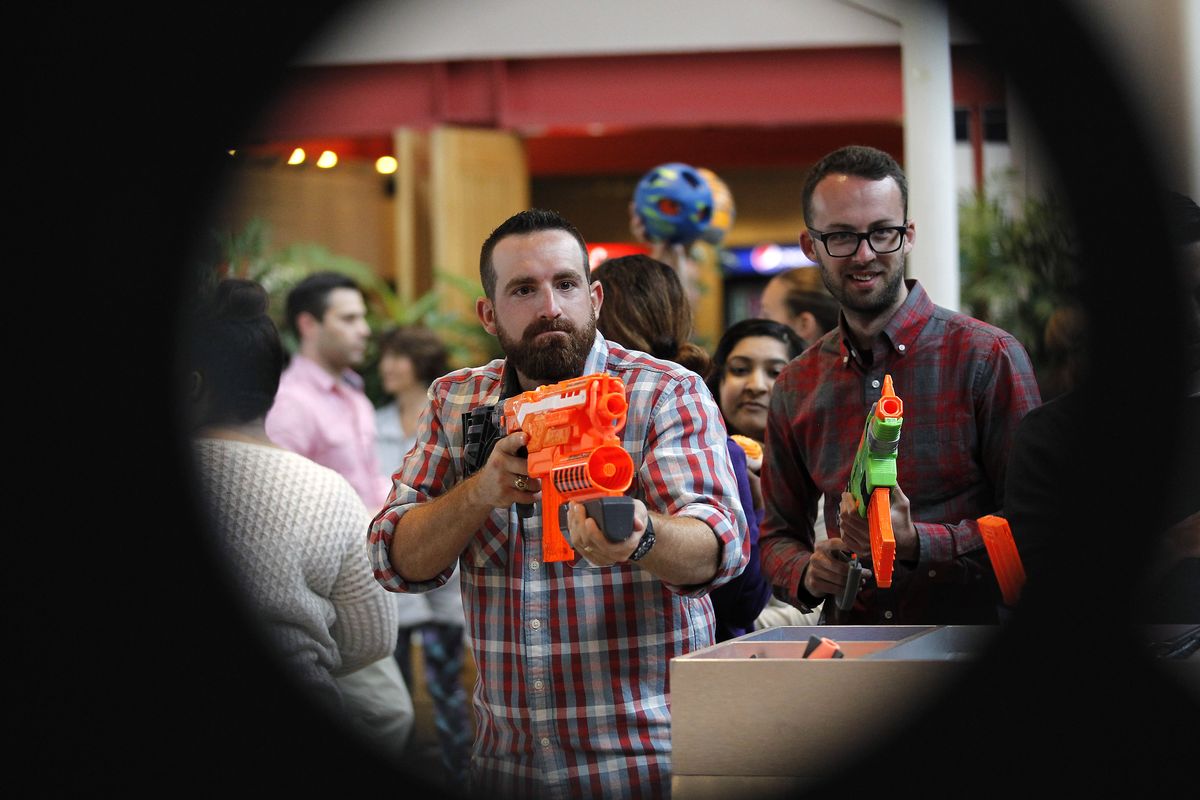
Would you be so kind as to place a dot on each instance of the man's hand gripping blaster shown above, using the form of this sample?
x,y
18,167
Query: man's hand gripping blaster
x,y
572,445
871,481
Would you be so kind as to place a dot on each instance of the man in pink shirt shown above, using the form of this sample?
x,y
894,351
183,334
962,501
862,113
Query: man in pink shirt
x,y
320,410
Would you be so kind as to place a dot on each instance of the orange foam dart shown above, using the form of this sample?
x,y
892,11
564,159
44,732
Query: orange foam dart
x,y
1006,560
822,647
573,448
753,449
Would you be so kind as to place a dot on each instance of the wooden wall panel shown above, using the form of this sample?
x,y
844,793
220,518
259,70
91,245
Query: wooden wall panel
x,y
479,178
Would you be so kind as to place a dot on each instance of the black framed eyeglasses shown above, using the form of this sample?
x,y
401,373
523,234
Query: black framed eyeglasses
x,y
843,244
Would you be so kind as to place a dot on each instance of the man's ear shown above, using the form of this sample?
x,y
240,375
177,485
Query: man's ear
x,y
306,324
805,326
486,312
597,296
910,236
806,244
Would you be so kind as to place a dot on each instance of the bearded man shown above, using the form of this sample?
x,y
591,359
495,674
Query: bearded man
x,y
572,697
965,385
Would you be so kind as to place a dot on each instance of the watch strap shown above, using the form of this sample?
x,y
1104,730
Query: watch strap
x,y
646,542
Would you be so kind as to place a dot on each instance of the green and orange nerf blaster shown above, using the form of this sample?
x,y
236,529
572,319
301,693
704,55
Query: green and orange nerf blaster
x,y
871,482
572,445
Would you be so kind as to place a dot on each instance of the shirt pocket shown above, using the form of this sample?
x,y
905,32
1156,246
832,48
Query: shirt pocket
x,y
488,548
939,460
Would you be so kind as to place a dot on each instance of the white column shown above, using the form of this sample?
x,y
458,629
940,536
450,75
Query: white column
x,y
1190,75
929,148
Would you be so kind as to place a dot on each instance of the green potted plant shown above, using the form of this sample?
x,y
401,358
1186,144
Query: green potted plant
x,y
247,254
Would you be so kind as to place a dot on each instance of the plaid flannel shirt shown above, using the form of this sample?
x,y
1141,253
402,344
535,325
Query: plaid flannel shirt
x,y
965,386
572,697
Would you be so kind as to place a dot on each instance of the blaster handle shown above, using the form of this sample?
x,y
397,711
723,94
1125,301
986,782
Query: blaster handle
x,y
613,516
853,581
524,510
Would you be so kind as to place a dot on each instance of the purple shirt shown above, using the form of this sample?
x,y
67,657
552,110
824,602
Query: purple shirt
x,y
329,421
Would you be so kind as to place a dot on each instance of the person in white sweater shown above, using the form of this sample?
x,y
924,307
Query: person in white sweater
x,y
292,531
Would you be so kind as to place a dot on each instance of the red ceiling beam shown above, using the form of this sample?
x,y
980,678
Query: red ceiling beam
x,y
634,151
792,87
759,88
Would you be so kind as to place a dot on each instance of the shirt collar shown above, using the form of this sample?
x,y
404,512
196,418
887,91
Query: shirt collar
x,y
902,329
312,372
597,358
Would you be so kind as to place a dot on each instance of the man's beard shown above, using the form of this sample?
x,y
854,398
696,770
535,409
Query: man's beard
x,y
554,361
883,300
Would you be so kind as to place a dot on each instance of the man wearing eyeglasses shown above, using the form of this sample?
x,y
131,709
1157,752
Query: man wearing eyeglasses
x,y
965,385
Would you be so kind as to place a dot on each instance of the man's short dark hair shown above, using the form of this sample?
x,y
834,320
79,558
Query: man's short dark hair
x,y
312,295
422,346
859,161
519,224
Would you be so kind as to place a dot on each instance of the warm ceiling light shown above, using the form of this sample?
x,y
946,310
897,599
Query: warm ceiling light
x,y
233,152
327,159
386,165
297,156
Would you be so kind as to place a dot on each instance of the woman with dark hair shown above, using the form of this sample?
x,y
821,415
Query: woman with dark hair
x,y
646,308
410,358
292,531
748,359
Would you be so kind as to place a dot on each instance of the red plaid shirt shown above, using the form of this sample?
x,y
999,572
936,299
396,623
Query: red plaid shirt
x,y
572,697
965,385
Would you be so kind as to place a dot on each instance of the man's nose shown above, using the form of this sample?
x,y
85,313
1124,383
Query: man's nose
x,y
863,253
549,307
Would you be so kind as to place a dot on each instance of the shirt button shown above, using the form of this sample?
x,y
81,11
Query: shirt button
x,y
537,623
538,685
545,742
900,347
933,573
874,384
534,564
887,615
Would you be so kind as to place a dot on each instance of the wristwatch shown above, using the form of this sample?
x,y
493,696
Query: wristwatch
x,y
647,540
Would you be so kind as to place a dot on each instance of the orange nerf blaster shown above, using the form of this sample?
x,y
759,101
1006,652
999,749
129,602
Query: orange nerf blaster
x,y
573,448
871,482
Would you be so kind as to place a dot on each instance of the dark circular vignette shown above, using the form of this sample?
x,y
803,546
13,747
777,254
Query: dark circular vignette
x,y
277,739
140,668
149,683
